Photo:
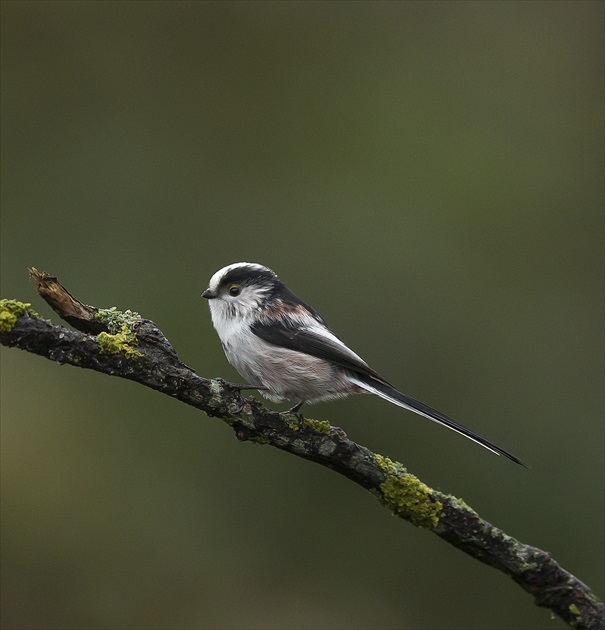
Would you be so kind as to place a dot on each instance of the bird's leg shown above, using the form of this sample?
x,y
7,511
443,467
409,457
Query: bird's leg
x,y
295,409
241,387
294,412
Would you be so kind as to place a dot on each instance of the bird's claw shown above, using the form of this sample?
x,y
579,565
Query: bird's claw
x,y
295,412
238,409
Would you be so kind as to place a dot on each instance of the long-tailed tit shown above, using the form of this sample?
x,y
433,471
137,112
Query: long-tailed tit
x,y
282,346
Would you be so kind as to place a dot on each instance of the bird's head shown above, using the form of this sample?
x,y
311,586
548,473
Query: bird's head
x,y
241,289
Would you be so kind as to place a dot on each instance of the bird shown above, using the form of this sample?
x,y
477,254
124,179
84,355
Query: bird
x,y
284,348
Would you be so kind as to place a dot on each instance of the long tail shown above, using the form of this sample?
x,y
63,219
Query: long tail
x,y
389,393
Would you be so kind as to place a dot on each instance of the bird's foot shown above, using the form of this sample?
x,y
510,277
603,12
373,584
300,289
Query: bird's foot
x,y
238,409
294,412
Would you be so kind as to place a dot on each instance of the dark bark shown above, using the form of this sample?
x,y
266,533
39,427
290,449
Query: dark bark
x,y
125,345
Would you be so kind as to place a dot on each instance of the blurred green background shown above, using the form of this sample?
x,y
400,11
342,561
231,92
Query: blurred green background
x,y
429,176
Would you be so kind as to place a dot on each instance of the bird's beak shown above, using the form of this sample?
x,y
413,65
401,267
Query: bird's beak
x,y
208,294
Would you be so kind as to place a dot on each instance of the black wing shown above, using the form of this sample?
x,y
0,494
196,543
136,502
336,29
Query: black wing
x,y
316,344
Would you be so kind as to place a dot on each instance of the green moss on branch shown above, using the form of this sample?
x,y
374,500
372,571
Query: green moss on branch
x,y
116,320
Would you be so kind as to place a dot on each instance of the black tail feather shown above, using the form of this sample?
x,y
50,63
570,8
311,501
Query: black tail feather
x,y
386,391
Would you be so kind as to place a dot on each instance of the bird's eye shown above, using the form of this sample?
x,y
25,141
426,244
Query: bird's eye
x,y
234,290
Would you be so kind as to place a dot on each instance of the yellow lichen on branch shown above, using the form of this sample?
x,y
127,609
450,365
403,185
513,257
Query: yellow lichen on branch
x,y
124,341
407,496
10,311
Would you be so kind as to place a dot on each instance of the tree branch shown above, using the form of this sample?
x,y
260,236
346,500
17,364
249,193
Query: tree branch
x,y
126,345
